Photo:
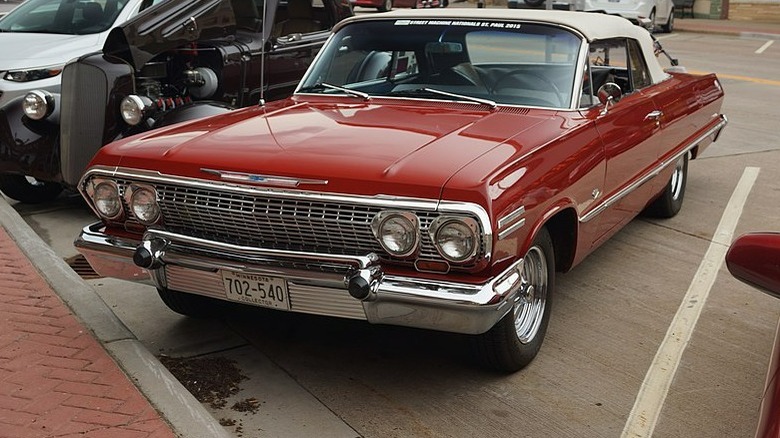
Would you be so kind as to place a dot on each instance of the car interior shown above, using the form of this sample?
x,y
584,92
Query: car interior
x,y
456,65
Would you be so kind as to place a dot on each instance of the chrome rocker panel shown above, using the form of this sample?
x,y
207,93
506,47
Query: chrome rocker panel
x,y
318,283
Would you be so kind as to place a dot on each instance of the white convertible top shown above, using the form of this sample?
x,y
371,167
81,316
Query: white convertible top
x,y
593,26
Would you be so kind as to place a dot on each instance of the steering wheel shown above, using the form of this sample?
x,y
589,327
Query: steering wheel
x,y
523,76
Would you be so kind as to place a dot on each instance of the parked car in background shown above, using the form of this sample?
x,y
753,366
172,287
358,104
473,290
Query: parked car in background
x,y
386,5
433,169
651,14
178,60
659,14
755,259
37,38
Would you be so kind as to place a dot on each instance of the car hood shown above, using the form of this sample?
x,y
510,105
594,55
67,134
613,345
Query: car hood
x,y
169,25
362,148
24,50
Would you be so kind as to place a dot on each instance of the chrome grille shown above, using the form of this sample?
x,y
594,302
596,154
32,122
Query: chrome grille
x,y
275,222
83,110
280,223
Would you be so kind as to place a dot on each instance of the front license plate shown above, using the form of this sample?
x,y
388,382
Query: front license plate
x,y
258,290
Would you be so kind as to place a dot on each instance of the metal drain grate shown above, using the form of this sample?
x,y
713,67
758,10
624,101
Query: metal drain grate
x,y
82,267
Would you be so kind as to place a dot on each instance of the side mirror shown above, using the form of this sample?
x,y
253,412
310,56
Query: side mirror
x,y
609,94
754,258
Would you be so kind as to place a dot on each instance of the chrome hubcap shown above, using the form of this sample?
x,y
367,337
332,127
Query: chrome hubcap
x,y
676,183
532,298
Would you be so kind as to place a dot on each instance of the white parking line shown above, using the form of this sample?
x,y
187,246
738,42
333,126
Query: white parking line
x,y
652,394
764,47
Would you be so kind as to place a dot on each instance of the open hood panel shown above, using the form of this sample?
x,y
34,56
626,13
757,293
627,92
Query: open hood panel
x,y
169,25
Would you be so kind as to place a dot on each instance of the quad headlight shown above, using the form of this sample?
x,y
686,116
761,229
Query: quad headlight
x,y
134,109
105,197
455,238
142,200
38,104
397,231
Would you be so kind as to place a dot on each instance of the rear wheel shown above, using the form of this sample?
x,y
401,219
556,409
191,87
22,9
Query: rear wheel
x,y
670,202
386,6
196,306
29,190
534,3
515,340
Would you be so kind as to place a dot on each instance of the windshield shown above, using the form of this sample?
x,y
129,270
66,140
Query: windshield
x,y
70,17
478,61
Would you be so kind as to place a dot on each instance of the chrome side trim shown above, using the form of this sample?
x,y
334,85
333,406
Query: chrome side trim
x,y
511,222
608,202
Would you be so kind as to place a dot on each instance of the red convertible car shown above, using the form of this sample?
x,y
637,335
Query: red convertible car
x,y
433,169
755,259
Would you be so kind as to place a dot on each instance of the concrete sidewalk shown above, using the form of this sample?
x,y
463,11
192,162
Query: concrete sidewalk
x,y
68,366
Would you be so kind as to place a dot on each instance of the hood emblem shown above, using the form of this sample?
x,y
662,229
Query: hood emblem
x,y
263,180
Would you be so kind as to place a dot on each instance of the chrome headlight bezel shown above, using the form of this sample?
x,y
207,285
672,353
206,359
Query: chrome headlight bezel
x,y
467,226
106,189
38,104
134,109
406,220
136,195
33,74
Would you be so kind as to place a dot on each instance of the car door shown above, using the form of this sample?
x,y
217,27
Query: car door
x,y
629,131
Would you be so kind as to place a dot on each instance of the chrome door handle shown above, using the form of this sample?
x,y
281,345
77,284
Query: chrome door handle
x,y
654,115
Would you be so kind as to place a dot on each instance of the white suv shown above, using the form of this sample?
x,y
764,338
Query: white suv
x,y
38,37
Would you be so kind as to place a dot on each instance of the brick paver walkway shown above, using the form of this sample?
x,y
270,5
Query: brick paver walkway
x,y
56,380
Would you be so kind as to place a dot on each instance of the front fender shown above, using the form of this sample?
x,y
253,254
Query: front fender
x,y
29,147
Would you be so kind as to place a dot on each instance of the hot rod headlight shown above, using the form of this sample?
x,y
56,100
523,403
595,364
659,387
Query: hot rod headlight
x,y
143,203
397,231
38,104
456,238
106,198
133,108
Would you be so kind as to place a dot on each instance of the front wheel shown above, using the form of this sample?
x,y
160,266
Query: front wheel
x,y
29,190
534,3
386,6
669,203
516,339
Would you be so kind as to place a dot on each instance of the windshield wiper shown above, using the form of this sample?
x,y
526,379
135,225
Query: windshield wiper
x,y
417,91
321,85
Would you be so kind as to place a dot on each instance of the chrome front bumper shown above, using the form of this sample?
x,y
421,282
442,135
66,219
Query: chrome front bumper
x,y
317,283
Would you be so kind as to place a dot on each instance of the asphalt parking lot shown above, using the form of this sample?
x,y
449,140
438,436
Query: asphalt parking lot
x,y
612,316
